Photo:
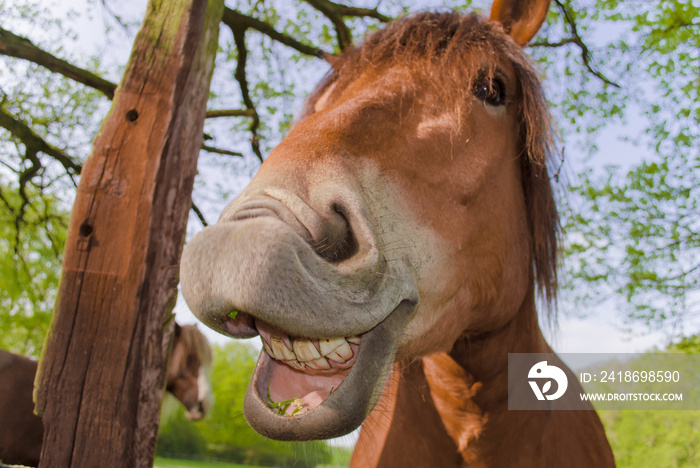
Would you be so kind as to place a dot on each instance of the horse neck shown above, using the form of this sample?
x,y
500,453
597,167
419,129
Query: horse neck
x,y
518,438
416,423
485,357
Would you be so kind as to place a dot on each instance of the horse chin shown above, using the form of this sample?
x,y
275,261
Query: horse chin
x,y
194,415
291,402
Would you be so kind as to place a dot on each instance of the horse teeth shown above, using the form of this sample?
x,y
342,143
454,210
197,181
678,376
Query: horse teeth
x,y
342,353
353,339
267,348
305,350
280,351
294,364
318,364
305,355
328,345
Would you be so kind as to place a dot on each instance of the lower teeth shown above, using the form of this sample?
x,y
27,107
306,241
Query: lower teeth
x,y
304,354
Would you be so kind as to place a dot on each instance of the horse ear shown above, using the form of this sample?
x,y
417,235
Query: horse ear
x,y
520,18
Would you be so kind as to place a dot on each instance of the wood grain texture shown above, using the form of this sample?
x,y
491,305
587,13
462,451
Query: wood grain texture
x,y
102,374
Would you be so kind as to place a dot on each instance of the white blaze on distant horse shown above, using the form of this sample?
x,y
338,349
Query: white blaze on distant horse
x,y
188,371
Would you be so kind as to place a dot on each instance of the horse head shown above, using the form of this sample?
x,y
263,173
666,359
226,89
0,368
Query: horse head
x,y
189,369
408,208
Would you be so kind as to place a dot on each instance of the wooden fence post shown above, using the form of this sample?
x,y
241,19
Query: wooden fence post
x,y
102,373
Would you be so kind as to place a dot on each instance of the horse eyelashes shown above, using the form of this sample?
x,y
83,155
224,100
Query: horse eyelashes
x,y
490,91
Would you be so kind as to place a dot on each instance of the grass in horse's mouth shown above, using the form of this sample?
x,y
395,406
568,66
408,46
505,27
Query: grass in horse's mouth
x,y
281,407
300,373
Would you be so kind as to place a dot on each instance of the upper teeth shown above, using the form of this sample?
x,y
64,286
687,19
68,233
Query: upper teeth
x,y
305,350
304,354
279,350
336,349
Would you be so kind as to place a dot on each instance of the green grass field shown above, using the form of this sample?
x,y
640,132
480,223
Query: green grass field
x,y
173,463
161,462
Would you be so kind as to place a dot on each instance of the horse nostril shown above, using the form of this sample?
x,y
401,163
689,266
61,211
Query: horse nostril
x,y
338,242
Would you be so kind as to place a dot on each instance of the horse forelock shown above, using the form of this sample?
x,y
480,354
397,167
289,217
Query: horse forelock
x,y
441,42
191,342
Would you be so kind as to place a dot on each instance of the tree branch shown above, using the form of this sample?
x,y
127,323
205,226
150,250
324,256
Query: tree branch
x,y
212,114
336,12
19,47
200,215
239,39
24,177
118,19
685,273
34,143
211,149
563,42
332,11
346,10
236,20
576,39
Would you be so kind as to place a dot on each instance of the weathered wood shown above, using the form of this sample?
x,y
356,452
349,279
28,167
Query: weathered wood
x,y
102,373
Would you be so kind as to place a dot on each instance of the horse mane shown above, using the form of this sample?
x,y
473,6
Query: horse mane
x,y
429,40
194,343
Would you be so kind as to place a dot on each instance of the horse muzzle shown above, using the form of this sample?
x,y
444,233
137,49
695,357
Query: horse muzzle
x,y
330,309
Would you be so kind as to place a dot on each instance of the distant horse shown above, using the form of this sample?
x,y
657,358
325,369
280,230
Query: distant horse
x,y
390,250
188,371
21,431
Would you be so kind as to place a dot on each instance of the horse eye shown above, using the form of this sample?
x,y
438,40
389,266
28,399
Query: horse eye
x,y
491,92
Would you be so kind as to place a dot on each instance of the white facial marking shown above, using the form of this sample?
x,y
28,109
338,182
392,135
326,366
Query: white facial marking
x,y
445,122
403,238
202,385
322,101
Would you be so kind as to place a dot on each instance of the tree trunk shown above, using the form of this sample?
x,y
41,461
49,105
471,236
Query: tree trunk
x,y
102,373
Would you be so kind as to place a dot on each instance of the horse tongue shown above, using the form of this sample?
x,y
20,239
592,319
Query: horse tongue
x,y
284,389
288,382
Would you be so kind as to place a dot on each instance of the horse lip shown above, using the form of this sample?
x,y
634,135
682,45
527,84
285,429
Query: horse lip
x,y
350,404
262,267
243,326
259,206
